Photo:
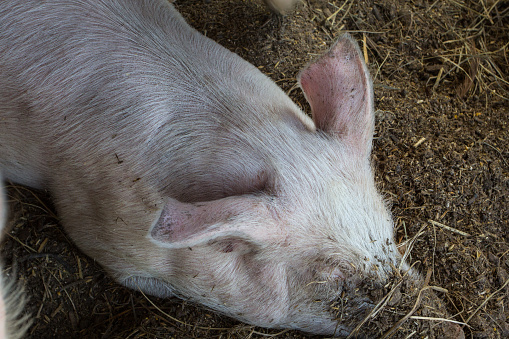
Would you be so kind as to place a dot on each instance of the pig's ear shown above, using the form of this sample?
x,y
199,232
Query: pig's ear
x,y
339,89
244,218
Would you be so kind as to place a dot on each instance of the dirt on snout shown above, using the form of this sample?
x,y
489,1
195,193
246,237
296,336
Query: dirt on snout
x,y
441,155
409,307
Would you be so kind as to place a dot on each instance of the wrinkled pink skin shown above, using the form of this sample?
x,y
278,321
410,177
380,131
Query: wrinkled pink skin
x,y
185,171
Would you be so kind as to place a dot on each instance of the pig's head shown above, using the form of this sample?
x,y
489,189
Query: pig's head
x,y
311,248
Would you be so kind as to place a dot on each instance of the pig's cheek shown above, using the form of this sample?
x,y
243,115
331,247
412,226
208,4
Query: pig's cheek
x,y
271,280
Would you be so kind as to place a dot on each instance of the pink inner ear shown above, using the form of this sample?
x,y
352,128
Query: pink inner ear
x,y
339,91
179,221
182,224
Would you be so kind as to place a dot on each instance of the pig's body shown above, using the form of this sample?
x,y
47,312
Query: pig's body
x,y
184,170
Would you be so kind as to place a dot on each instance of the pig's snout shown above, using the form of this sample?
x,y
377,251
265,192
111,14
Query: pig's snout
x,y
381,306
358,297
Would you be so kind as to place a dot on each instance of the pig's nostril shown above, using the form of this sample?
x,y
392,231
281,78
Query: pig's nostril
x,y
351,312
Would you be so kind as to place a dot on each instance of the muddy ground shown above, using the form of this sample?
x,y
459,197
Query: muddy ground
x,y
441,153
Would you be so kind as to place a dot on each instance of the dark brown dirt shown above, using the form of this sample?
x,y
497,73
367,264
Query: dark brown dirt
x,y
441,152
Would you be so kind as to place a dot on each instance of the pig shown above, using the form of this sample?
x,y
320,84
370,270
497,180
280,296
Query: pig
x,y
13,323
184,171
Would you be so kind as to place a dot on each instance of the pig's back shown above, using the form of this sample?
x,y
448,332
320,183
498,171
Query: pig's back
x,y
93,77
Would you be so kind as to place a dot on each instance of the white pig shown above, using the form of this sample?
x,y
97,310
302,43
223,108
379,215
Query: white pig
x,y
185,171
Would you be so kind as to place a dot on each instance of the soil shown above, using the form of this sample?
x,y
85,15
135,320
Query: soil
x,y
441,155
